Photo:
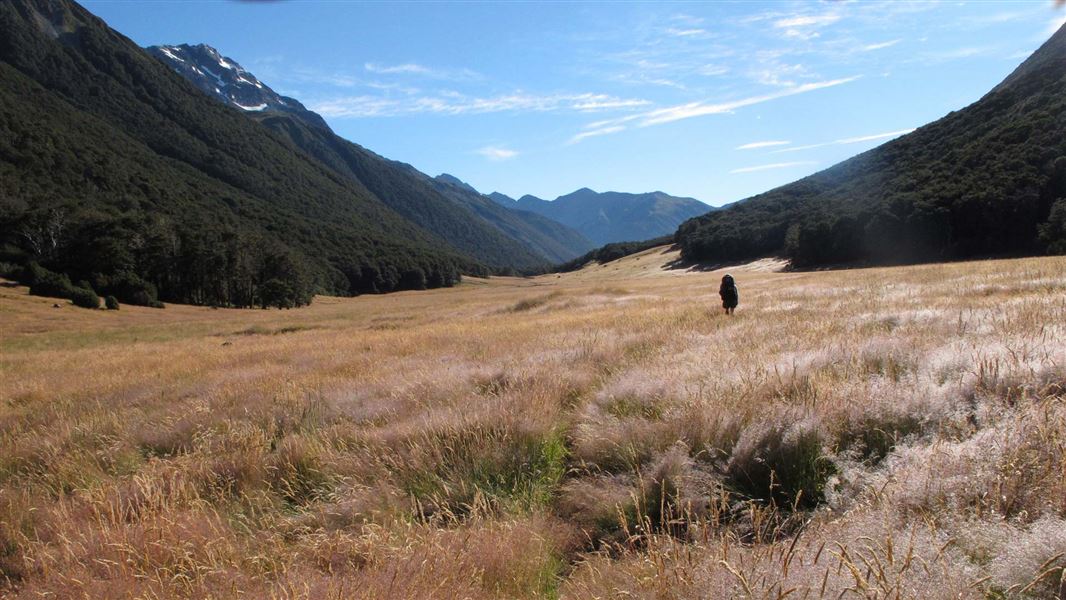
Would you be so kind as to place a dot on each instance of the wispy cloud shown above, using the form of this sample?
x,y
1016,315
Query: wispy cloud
x,y
496,153
594,133
807,21
960,53
454,103
692,32
696,109
851,140
767,144
881,45
423,71
783,165
805,27
777,73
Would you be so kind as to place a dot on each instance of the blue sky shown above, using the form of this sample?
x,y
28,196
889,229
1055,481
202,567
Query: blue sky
x,y
714,100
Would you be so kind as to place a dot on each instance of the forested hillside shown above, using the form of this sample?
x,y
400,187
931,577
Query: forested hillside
x,y
117,172
408,192
548,237
989,179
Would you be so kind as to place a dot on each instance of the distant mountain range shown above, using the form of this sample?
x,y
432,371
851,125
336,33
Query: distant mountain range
x,y
612,216
986,180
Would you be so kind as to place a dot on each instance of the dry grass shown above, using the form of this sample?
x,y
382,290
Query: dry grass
x,y
881,433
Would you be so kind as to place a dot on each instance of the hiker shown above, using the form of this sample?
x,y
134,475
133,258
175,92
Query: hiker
x,y
730,295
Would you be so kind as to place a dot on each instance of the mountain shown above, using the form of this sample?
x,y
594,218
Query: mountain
x,y
400,186
116,170
501,199
989,179
225,79
549,238
613,216
455,181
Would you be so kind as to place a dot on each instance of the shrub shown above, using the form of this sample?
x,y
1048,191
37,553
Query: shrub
x,y
111,303
47,283
84,297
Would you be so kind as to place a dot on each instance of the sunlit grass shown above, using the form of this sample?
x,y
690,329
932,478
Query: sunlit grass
x,y
884,433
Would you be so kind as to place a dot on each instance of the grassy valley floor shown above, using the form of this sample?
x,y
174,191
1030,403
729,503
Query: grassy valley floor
x,y
607,433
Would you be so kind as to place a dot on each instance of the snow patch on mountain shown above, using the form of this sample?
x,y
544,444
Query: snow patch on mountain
x,y
226,80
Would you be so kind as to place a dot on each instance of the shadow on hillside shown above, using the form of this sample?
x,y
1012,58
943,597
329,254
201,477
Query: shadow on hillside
x,y
680,264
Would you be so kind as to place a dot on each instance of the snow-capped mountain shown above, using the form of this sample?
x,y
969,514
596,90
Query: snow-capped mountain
x,y
226,80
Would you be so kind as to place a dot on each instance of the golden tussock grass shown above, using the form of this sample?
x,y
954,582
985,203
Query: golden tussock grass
x,y
880,433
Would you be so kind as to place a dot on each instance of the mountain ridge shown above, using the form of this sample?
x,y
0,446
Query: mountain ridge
x,y
612,217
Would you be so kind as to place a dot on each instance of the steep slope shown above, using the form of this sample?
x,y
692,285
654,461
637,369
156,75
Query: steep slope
x,y
551,239
116,170
614,216
979,181
401,187
223,78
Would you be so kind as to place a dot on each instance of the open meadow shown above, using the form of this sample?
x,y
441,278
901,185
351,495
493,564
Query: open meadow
x,y
608,433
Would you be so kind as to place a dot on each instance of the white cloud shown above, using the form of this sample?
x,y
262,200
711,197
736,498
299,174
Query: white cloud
x,y
783,165
879,46
767,144
423,71
851,140
495,153
455,103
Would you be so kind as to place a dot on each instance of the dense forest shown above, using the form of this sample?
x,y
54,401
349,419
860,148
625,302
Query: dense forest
x,y
120,175
987,180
